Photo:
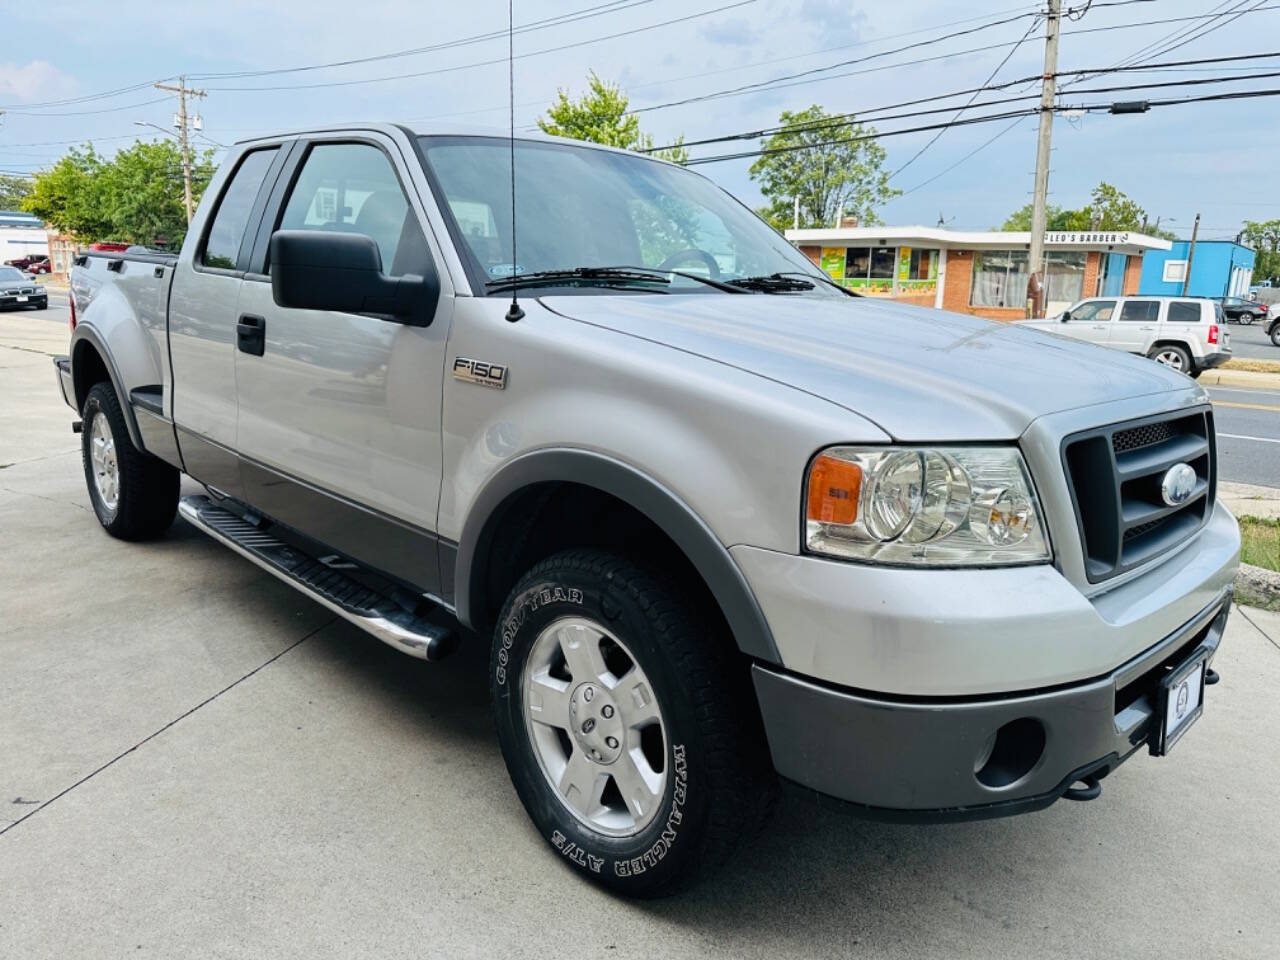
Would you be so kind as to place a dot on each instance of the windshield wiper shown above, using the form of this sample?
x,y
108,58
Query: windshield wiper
x,y
603,276
607,276
772,283
822,277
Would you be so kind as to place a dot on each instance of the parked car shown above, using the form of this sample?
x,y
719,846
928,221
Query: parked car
x,y
1273,328
19,290
717,528
1186,334
32,263
1240,310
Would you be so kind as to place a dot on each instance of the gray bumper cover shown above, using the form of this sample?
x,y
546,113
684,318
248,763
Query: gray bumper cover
x,y
915,758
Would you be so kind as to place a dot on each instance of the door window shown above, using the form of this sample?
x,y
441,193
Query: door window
x,y
222,246
352,188
1140,311
1184,311
1093,311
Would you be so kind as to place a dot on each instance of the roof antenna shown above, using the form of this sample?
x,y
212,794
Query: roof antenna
x,y
514,312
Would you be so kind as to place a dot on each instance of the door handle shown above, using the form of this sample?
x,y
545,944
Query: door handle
x,y
251,334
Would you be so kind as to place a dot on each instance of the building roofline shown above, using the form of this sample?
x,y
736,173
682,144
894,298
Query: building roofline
x,y
1123,240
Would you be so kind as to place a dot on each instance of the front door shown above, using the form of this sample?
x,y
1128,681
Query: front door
x,y
339,414
1091,321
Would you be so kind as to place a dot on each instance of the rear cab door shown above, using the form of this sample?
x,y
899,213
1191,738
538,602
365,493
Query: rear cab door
x,y
339,414
1138,325
202,316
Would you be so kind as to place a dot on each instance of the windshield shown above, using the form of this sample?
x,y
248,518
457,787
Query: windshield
x,y
11,273
582,207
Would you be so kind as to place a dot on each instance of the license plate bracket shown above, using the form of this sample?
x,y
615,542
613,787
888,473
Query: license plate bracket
x,y
1179,702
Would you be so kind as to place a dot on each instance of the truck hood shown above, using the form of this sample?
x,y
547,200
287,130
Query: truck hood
x,y
920,374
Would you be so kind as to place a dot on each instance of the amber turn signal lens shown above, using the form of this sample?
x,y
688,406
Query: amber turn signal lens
x,y
834,486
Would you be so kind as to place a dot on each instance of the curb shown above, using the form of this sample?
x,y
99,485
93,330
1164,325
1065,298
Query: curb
x,y
1258,587
1239,378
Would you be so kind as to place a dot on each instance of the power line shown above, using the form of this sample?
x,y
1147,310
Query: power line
x,y
968,156
486,63
803,77
586,13
1000,66
969,121
865,114
85,113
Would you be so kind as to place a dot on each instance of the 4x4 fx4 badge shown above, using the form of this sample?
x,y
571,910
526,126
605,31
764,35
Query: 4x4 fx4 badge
x,y
477,371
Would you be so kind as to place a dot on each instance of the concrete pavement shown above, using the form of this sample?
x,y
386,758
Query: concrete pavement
x,y
196,761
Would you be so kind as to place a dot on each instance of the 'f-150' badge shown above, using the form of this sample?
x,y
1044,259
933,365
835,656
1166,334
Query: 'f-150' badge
x,y
477,371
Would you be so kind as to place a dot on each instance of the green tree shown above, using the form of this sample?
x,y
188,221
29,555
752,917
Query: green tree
x,y
1059,218
829,178
135,197
68,196
1264,237
600,116
1109,209
13,190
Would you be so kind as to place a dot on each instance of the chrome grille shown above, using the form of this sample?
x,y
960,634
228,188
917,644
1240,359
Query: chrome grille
x,y
1115,474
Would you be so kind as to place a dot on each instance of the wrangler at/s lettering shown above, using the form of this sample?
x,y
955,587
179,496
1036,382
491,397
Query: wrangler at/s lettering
x,y
728,526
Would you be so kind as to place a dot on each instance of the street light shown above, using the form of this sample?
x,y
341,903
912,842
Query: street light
x,y
144,123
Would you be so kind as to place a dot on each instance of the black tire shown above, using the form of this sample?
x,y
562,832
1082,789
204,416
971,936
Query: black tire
x,y
720,785
1275,334
1180,352
147,488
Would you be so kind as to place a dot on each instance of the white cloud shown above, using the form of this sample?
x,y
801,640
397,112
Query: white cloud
x,y
37,80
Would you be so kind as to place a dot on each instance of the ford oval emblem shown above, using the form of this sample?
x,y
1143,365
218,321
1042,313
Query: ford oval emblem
x,y
1178,484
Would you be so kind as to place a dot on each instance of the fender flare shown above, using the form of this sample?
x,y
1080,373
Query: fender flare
x,y
88,334
680,523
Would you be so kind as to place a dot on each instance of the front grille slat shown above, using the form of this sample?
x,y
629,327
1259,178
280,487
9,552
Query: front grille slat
x,y
1115,474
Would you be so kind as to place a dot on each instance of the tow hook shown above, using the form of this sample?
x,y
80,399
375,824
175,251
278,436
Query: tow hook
x,y
77,426
1211,677
1091,790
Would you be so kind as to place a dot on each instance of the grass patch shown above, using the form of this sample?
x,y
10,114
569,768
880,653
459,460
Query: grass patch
x,y
1260,542
1252,366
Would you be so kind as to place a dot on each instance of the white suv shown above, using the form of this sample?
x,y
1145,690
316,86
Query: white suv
x,y
1185,333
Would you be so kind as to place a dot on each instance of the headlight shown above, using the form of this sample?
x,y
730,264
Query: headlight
x,y
924,506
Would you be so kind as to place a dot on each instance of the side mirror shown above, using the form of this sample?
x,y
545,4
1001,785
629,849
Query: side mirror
x,y
318,270
1066,315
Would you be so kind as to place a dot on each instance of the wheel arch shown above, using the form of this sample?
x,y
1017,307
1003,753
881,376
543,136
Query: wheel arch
x,y
91,362
526,480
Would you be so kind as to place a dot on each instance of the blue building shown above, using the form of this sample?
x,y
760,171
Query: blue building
x,y
1220,268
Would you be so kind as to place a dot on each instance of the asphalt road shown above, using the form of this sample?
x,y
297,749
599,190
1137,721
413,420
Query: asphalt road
x,y
1252,342
196,761
1248,423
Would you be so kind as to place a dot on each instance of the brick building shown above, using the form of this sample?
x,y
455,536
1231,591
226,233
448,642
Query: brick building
x,y
978,272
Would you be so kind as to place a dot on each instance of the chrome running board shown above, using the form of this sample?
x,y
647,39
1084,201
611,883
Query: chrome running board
x,y
325,583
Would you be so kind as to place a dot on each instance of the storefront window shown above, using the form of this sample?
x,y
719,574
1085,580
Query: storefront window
x,y
857,261
924,265
999,279
882,261
1064,276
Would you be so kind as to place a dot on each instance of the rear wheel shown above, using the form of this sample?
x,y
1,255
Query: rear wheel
x,y
1172,356
627,723
134,494
1246,319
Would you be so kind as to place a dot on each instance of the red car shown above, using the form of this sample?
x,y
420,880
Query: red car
x,y
31,263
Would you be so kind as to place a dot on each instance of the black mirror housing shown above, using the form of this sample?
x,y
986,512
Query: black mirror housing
x,y
318,270
1066,315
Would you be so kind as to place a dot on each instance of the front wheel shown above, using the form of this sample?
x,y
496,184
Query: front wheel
x,y
1275,334
134,495
1172,356
627,723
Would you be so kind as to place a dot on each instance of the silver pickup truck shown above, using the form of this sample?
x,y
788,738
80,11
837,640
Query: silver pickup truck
x,y
724,525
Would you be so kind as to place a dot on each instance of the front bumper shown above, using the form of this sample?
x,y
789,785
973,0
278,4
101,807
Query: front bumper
x,y
931,758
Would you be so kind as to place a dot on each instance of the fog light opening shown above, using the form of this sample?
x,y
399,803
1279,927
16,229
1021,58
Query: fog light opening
x,y
1010,753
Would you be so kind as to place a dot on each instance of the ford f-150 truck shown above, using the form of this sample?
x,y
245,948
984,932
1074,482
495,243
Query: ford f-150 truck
x,y
724,525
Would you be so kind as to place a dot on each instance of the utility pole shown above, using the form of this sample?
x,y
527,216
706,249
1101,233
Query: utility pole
x,y
796,218
1048,91
183,138
1191,255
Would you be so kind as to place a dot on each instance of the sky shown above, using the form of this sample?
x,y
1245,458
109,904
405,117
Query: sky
x,y
1213,158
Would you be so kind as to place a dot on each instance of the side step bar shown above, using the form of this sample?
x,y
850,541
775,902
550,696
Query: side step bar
x,y
365,607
